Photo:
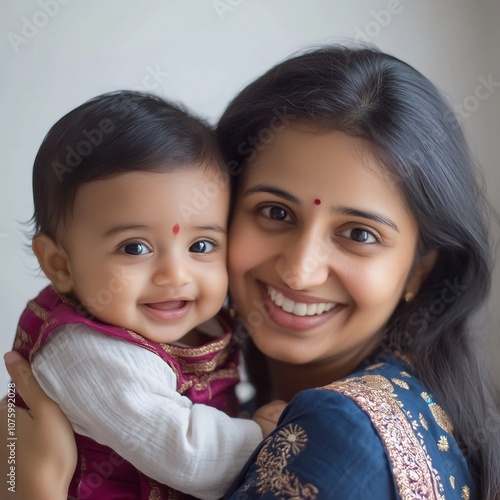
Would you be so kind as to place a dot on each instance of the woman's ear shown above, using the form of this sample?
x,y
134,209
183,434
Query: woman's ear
x,y
420,271
53,261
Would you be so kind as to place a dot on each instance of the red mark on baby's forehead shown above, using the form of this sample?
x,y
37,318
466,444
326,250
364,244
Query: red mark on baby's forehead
x,y
317,201
176,229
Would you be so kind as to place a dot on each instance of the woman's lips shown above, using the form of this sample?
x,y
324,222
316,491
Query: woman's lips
x,y
295,314
169,310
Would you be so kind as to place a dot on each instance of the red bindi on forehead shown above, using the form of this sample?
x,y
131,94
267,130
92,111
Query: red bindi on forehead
x,y
317,201
176,229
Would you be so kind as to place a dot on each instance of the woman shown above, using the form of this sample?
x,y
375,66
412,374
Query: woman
x,y
358,255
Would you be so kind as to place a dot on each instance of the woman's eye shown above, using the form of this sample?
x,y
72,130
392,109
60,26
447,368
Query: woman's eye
x,y
202,246
361,235
276,213
135,249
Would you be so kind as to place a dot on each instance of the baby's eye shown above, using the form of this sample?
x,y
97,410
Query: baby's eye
x,y
203,246
135,249
360,235
276,213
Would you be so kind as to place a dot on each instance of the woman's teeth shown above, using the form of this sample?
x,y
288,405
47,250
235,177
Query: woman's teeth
x,y
298,308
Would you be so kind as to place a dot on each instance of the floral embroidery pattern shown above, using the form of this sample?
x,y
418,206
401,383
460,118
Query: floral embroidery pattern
x,y
438,413
423,422
375,366
400,383
291,440
272,473
443,444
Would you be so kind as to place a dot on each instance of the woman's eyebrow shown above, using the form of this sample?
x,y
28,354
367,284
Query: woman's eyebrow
x,y
263,188
365,214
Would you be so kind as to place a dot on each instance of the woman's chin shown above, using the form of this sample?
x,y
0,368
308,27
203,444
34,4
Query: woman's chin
x,y
284,350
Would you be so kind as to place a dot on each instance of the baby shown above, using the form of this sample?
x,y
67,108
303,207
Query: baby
x,y
131,205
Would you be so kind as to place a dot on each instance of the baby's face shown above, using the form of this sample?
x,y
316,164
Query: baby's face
x,y
147,251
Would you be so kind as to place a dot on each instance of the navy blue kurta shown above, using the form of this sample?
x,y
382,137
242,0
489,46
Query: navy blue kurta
x,y
376,434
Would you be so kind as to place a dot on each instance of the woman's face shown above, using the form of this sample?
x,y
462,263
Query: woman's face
x,y
321,248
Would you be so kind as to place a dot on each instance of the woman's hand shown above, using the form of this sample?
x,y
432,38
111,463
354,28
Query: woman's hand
x,y
43,458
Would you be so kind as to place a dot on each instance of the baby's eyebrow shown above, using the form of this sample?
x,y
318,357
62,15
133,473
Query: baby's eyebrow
x,y
122,228
212,227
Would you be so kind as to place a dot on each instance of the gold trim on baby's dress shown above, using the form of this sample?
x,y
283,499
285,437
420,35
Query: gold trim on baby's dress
x,y
37,310
155,493
41,336
21,340
412,467
214,346
83,468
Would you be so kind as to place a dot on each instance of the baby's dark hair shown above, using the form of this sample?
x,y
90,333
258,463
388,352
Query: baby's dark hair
x,y
109,135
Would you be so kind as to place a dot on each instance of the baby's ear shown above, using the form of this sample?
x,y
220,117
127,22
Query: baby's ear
x,y
53,261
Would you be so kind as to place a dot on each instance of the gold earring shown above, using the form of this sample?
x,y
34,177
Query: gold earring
x,y
408,296
231,309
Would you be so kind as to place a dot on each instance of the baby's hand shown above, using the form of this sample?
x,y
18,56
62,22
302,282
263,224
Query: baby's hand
x,y
267,416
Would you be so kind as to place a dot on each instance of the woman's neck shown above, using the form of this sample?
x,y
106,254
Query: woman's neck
x,y
288,379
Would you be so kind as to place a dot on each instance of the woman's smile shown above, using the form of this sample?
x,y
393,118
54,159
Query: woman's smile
x,y
301,316
301,306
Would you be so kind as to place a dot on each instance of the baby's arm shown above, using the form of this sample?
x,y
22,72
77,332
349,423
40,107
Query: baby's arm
x,y
44,453
125,397
267,416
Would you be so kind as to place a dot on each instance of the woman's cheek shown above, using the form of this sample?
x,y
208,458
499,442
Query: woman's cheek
x,y
244,242
379,286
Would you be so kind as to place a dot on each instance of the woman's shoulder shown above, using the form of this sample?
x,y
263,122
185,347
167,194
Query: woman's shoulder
x,y
413,429
315,452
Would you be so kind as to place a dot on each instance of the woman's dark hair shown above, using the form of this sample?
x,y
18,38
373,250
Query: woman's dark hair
x,y
109,135
367,94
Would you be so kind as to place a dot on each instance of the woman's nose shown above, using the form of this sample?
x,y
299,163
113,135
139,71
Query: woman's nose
x,y
304,264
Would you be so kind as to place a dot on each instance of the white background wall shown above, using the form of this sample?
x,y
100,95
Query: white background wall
x,y
55,54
